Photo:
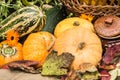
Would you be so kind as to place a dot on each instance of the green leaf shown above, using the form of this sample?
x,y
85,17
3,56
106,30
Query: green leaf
x,y
7,7
114,74
57,65
5,11
90,76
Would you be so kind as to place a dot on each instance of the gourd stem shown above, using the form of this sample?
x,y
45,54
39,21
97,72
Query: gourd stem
x,y
81,45
76,23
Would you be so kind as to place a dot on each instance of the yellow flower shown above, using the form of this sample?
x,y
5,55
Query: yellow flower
x,y
12,37
93,2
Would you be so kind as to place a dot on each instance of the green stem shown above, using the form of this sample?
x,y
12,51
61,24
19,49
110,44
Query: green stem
x,y
27,3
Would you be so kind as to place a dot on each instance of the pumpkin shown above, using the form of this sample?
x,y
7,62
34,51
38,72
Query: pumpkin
x,y
84,44
70,23
10,49
37,46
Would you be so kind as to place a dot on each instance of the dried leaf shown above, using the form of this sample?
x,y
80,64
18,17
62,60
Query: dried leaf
x,y
105,75
110,53
57,64
73,75
90,76
76,75
107,67
24,65
113,74
87,67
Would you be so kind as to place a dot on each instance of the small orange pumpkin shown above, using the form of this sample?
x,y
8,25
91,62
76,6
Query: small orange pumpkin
x,y
10,49
71,23
37,45
82,43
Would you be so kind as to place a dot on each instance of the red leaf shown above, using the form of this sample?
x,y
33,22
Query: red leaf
x,y
105,75
110,53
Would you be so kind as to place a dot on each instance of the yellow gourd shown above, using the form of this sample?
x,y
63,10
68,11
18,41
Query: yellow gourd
x,y
71,23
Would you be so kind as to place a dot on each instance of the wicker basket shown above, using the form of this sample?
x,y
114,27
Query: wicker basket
x,y
109,7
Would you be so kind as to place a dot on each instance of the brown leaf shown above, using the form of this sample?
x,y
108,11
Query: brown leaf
x,y
73,75
24,65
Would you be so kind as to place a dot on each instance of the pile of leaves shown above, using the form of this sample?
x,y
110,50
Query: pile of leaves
x,y
110,63
54,65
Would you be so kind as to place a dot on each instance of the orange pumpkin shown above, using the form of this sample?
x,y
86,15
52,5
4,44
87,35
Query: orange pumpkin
x,y
37,45
71,23
10,49
82,43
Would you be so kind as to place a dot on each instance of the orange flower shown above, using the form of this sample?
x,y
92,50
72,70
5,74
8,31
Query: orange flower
x,y
12,37
87,17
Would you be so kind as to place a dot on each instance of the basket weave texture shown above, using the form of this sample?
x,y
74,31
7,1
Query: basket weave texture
x,y
109,7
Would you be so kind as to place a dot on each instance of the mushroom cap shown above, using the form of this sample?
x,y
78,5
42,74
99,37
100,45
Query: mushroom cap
x,y
108,27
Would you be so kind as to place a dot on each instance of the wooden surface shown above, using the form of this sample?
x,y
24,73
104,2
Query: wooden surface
x,y
17,75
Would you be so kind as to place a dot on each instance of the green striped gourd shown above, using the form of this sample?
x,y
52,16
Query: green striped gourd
x,y
24,20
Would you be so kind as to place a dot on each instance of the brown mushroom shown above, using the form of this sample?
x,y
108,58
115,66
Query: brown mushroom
x,y
108,27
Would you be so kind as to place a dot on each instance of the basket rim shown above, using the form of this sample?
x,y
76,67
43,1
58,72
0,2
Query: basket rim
x,y
94,10
81,2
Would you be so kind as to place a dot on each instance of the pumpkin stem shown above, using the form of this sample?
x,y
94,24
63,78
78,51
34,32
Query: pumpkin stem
x,y
76,23
81,45
8,51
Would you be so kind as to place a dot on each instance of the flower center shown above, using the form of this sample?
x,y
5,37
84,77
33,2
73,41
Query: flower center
x,y
12,37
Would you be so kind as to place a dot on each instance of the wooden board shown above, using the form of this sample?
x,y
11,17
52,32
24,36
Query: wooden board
x,y
18,75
